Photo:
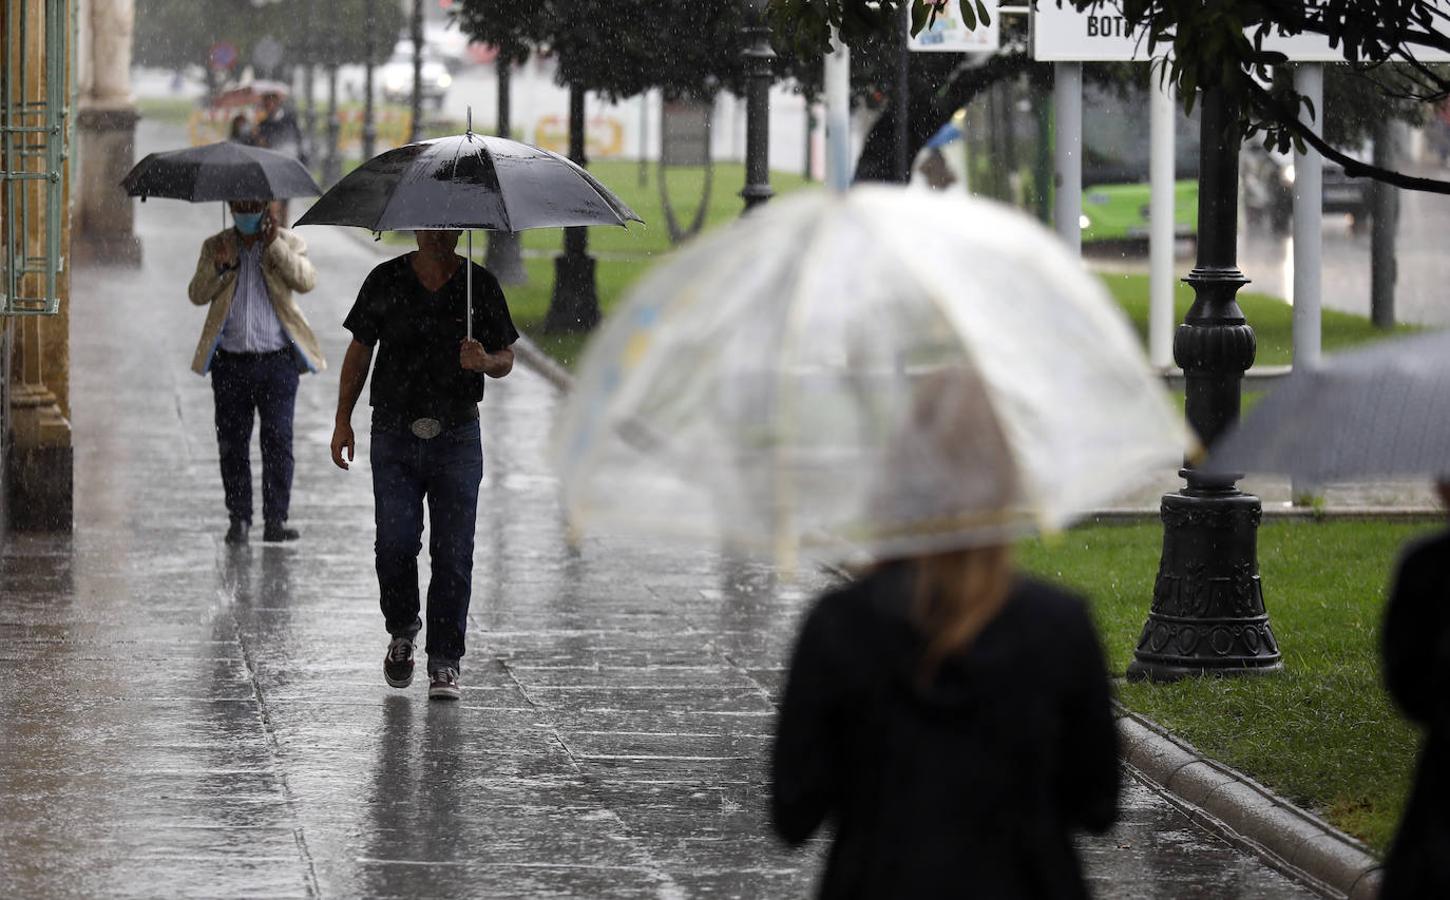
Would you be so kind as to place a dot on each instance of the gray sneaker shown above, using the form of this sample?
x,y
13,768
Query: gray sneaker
x,y
398,662
443,684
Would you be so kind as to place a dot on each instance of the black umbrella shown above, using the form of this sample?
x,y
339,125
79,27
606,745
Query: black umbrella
x,y
223,171
468,181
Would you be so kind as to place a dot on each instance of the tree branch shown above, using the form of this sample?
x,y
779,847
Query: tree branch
x,y
1354,168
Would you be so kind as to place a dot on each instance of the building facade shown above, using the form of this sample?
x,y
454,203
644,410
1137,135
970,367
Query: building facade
x,y
37,47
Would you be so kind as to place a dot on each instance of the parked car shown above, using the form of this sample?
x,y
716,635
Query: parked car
x,y
396,76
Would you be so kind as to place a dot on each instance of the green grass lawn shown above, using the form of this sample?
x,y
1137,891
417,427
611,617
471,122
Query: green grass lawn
x,y
1271,318
1323,733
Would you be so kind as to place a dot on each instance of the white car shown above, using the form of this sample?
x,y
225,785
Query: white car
x,y
396,76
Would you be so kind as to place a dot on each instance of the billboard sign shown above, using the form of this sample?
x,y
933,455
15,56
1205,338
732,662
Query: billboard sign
x,y
949,33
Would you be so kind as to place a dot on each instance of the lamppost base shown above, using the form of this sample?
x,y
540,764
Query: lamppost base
x,y
574,306
1164,673
1208,615
756,194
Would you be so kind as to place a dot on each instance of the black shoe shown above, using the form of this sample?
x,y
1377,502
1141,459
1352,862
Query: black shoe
x,y
398,662
276,533
443,684
237,533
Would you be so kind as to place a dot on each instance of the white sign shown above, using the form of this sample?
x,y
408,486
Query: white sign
x,y
1308,47
1062,34
949,33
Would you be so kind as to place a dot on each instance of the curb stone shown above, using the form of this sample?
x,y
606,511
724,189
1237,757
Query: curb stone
x,y
1249,815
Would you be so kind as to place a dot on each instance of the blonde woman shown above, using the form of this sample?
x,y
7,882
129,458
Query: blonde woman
x,y
949,717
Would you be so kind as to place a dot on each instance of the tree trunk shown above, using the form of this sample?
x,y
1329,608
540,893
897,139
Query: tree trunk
x,y
1384,226
503,258
932,110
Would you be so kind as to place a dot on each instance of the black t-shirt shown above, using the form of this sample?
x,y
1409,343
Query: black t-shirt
x,y
417,372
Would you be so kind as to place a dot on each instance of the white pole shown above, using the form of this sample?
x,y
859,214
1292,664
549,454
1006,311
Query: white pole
x,y
1067,152
1308,225
1308,244
1160,223
838,115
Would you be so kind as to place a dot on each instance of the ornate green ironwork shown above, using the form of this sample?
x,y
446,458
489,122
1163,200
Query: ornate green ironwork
x,y
34,139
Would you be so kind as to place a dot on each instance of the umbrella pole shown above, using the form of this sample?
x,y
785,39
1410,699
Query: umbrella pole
x,y
468,283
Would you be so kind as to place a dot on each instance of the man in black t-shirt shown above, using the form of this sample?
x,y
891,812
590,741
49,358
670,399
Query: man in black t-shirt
x,y
427,383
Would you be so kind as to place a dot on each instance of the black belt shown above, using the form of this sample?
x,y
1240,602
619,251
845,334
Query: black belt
x,y
231,354
423,426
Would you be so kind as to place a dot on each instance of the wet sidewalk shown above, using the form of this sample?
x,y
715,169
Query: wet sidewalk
x,y
187,720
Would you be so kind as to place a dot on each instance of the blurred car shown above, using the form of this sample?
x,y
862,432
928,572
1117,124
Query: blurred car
x,y
1267,182
396,76
1343,194
1268,186
1116,195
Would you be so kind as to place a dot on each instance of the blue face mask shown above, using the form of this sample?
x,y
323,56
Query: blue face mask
x,y
248,223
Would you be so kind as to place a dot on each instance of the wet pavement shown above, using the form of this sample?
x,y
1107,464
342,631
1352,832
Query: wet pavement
x,y
184,719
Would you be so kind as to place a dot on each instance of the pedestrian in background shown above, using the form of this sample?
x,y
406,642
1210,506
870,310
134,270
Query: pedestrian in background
x,y
254,344
949,717
277,129
426,440
1416,643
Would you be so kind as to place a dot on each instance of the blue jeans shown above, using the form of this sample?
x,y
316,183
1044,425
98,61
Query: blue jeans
x,y
248,386
446,471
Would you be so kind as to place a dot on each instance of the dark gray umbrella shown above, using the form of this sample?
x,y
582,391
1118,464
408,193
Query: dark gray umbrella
x,y
222,171
468,181
1383,411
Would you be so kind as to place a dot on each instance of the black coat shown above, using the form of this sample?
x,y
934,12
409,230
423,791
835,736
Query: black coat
x,y
969,788
1417,673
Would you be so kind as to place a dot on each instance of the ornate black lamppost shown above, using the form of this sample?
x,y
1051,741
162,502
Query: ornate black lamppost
x,y
574,305
759,73
370,124
1208,614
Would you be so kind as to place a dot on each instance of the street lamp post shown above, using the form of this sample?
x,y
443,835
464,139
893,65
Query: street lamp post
x,y
309,81
1208,615
415,126
370,124
574,305
759,72
332,163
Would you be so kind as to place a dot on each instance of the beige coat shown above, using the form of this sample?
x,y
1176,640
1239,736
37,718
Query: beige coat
x,y
285,269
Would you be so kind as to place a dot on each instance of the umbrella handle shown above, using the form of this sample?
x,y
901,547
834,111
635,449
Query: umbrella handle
x,y
468,283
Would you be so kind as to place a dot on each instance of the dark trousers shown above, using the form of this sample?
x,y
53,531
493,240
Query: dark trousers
x,y
263,385
446,471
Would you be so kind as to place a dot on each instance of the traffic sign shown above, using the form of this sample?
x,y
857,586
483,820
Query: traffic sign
x,y
223,55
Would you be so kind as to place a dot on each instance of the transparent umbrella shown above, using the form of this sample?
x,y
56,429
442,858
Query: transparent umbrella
x,y
863,375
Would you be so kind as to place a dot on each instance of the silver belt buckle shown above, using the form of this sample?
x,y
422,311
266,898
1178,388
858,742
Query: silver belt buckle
x,y
426,429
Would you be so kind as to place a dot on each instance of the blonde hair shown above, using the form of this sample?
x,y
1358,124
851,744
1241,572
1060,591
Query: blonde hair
x,y
956,594
953,462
